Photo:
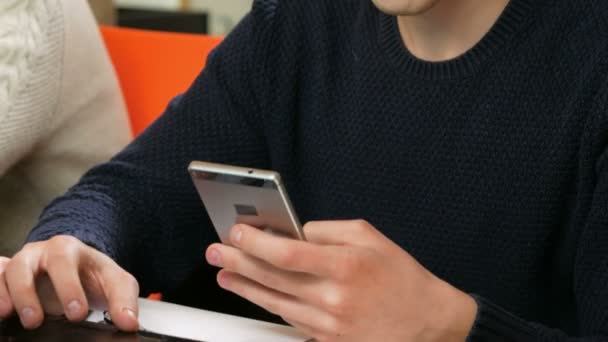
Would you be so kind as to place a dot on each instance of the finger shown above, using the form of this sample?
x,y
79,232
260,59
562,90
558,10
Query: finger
x,y
297,284
284,253
275,302
6,304
65,277
121,290
339,233
19,276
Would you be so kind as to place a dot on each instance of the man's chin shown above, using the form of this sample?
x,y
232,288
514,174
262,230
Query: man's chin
x,y
405,7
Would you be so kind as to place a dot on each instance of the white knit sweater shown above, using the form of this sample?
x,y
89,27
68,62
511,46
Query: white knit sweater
x,y
61,110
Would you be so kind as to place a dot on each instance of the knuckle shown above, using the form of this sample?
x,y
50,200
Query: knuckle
x,y
361,226
28,248
129,279
310,226
287,258
62,248
65,242
334,300
307,225
58,256
272,306
58,259
334,328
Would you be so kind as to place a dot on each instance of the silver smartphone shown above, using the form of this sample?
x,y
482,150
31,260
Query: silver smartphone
x,y
233,194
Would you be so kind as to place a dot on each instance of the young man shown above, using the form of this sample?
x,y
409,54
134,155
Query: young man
x,y
470,135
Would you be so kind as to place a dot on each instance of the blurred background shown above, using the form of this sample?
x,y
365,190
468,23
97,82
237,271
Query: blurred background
x,y
216,17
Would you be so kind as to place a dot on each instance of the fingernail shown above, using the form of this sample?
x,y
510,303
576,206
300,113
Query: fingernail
x,y
223,280
214,258
74,308
130,313
27,314
236,236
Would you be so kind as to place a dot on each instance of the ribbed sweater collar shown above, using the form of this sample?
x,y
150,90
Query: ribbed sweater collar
x,y
513,19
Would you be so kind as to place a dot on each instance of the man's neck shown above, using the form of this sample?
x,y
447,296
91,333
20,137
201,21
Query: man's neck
x,y
450,28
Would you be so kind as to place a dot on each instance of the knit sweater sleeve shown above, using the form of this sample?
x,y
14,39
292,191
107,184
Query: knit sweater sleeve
x,y
31,42
589,264
590,285
141,208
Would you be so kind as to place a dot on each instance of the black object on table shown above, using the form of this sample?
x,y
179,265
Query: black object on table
x,y
57,329
185,22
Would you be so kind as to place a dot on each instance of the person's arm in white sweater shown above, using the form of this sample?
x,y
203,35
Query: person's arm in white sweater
x,y
61,108
59,97
31,47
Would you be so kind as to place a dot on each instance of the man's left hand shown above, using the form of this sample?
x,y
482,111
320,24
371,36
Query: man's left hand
x,y
347,282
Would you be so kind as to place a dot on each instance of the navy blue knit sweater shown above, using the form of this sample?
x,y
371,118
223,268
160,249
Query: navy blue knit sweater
x,y
491,169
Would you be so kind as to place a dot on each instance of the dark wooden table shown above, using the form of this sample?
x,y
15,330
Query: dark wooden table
x,y
57,329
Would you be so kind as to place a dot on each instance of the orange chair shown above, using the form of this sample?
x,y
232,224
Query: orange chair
x,y
153,67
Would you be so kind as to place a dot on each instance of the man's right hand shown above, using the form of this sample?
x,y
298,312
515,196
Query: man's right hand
x,y
64,276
